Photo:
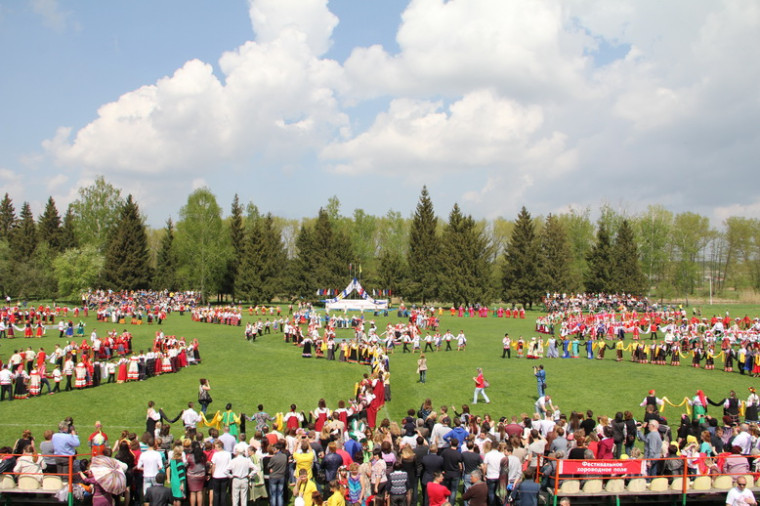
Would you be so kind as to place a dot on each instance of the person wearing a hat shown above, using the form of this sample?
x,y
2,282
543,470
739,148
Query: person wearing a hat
x,y
652,400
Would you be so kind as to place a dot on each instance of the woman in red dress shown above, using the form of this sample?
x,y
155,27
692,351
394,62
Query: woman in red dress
x,y
121,375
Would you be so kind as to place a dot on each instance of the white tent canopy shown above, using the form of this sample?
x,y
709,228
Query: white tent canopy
x,y
365,303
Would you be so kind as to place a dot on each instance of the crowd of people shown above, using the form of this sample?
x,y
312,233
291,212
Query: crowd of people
x,y
95,361
432,456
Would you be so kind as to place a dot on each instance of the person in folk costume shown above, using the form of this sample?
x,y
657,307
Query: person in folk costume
x,y
602,347
231,420
652,400
728,359
675,353
756,364
699,405
133,370
731,406
80,375
696,357
320,415
619,350
520,347
28,332
752,406
166,364
378,391
20,390
34,382
662,353
292,419
741,357
710,358
40,330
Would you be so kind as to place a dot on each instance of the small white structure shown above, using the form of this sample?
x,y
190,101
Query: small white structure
x,y
365,303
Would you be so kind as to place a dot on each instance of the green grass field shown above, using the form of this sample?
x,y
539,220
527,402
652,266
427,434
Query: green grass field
x,y
274,374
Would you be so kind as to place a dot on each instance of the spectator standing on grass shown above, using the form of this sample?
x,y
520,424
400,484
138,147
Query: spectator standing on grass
x,y
540,375
151,463
480,387
158,494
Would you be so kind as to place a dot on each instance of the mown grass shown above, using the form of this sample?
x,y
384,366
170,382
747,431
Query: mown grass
x,y
273,373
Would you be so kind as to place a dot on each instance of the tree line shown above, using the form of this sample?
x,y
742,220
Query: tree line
x,y
102,241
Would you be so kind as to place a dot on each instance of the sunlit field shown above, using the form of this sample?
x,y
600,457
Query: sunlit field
x,y
273,373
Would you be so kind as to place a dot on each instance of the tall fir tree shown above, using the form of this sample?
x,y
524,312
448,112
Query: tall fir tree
x,y
627,274
600,262
50,226
556,256
7,218
465,261
166,262
521,276
301,281
24,235
423,254
238,242
68,231
127,265
258,280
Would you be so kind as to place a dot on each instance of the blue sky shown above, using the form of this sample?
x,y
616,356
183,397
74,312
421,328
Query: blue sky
x,y
493,104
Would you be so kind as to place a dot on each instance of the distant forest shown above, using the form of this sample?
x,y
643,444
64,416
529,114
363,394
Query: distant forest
x,y
247,255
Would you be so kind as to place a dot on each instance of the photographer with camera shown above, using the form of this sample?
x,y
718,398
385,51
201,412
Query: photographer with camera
x,y
540,375
65,444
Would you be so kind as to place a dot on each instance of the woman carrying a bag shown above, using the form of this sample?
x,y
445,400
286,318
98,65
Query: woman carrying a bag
x,y
204,397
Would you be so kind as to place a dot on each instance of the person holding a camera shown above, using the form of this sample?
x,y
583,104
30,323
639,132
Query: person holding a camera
x,y
540,375
65,444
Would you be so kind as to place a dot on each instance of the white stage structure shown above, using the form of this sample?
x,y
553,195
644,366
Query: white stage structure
x,y
365,303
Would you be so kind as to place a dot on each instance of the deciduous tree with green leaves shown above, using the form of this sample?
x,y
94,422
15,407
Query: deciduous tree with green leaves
x,y
97,211
202,243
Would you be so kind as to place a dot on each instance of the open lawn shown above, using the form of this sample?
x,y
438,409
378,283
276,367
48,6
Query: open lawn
x,y
274,374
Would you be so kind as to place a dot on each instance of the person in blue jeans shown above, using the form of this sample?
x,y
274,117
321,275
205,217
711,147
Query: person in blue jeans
x,y
278,474
540,375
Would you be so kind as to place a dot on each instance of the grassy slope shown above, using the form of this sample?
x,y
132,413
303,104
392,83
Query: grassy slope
x,y
273,373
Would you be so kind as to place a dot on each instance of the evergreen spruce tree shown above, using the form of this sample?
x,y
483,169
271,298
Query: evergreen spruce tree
x,y
627,275
50,226
237,240
600,262
556,257
391,270
68,231
301,279
7,218
424,249
166,262
24,235
127,265
465,266
257,278
521,277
